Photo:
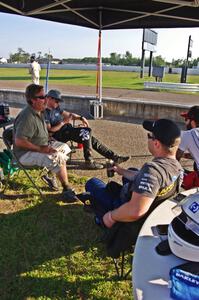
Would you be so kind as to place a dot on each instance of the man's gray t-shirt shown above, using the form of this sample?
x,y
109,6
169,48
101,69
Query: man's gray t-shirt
x,y
30,125
154,179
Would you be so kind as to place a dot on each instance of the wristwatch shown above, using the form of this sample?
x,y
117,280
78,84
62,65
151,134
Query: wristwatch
x,y
81,118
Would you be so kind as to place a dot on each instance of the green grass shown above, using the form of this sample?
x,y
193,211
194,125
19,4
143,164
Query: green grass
x,y
49,249
128,80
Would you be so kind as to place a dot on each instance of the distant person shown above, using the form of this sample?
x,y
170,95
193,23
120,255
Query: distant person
x,y
58,123
34,70
189,146
31,143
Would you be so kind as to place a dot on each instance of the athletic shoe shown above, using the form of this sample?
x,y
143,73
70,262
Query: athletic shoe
x,y
69,196
120,159
51,182
92,165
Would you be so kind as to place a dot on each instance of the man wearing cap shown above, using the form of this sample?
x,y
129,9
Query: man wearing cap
x,y
58,123
31,139
34,70
189,146
143,189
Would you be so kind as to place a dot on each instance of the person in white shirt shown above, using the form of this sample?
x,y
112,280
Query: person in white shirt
x,y
189,146
34,70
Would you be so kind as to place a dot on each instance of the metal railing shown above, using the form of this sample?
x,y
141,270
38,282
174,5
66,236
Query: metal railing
x,y
186,87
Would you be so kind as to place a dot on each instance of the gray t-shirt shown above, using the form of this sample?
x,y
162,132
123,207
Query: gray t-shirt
x,y
30,125
154,179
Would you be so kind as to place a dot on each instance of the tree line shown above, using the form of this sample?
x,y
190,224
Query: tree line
x,y
126,59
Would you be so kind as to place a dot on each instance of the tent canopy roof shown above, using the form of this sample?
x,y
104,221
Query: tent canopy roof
x,y
115,14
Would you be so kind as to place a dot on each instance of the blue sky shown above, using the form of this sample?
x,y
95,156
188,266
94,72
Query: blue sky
x,y
72,41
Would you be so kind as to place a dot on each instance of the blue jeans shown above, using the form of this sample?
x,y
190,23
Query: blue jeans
x,y
102,196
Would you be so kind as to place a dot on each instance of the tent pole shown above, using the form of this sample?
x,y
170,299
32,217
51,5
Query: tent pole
x,y
47,73
100,57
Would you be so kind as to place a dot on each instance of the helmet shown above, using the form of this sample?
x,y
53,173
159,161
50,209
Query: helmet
x,y
183,231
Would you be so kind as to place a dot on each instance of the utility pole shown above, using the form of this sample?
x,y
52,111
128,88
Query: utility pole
x,y
185,67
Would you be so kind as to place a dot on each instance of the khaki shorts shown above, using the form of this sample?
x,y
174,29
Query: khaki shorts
x,y
41,159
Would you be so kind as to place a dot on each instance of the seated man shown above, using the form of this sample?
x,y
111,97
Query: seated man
x,y
146,188
31,139
58,123
189,146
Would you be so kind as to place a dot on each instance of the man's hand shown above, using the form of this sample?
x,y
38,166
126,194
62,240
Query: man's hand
x,y
108,220
84,122
47,150
118,169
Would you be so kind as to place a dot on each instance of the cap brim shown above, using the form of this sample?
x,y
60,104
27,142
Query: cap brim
x,y
148,125
184,114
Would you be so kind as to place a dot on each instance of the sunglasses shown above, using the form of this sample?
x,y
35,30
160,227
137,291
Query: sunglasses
x,y
150,137
39,97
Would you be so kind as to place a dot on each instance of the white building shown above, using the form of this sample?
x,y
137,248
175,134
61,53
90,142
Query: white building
x,y
3,60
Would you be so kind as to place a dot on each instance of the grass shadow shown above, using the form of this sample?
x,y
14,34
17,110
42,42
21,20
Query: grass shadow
x,y
33,237
43,77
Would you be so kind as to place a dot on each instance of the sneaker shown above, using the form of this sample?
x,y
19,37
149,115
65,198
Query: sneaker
x,y
51,182
120,159
92,165
69,196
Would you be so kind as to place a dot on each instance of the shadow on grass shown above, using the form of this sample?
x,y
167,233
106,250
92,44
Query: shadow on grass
x,y
59,288
33,237
43,77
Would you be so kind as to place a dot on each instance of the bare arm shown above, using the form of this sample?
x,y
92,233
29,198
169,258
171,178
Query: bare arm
x,y
56,127
130,211
72,116
129,174
25,144
179,154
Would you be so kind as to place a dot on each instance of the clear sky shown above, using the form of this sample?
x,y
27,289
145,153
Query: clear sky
x,y
66,41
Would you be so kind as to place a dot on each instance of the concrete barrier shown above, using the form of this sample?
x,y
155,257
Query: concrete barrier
x,y
135,108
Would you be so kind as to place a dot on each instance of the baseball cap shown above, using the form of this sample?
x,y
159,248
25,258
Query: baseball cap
x,y
164,130
192,114
55,94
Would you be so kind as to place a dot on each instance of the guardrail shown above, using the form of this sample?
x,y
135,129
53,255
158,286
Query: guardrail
x,y
186,87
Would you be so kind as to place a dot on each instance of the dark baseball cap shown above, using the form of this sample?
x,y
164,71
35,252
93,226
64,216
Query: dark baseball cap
x,y
55,94
164,130
192,114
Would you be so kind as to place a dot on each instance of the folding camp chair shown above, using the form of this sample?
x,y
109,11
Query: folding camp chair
x,y
121,238
15,163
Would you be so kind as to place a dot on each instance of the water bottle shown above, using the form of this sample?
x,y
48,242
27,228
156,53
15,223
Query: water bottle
x,y
109,164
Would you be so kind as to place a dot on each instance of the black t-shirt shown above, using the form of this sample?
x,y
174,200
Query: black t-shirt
x,y
154,179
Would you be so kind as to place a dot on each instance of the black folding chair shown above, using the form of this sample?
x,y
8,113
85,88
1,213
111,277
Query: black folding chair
x,y
8,141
